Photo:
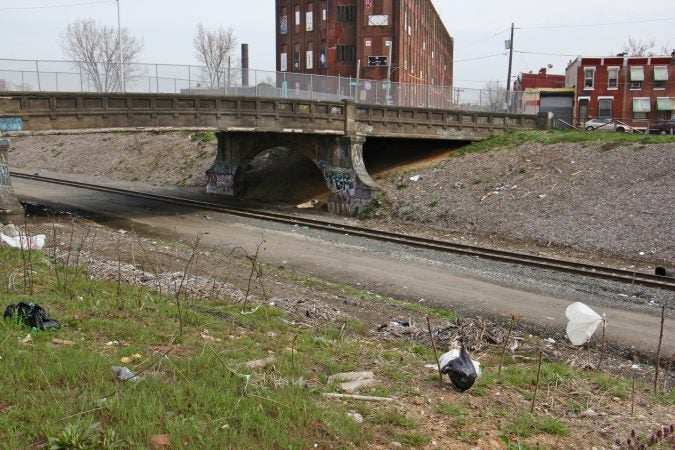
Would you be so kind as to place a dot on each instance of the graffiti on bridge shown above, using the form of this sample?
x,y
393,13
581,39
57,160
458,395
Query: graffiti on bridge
x,y
11,124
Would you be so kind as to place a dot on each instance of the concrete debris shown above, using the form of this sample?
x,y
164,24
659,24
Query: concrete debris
x,y
351,382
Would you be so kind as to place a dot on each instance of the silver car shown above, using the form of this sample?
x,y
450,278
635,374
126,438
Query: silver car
x,y
607,125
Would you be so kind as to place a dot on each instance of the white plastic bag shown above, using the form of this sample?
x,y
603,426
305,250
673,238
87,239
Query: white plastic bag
x,y
583,322
24,242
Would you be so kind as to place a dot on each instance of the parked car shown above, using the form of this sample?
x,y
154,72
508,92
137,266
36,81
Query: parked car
x,y
608,125
667,127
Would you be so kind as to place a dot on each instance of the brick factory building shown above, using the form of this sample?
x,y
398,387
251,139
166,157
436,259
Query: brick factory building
x,y
341,37
636,90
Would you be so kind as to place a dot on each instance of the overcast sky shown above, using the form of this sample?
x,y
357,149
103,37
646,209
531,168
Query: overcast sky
x,y
561,30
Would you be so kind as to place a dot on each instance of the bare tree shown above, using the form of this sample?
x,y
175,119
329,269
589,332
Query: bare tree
x,y
96,50
638,47
493,97
213,49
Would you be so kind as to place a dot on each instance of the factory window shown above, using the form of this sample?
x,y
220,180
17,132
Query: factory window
x,y
589,76
296,58
346,14
309,17
346,53
297,19
283,25
284,58
309,57
613,78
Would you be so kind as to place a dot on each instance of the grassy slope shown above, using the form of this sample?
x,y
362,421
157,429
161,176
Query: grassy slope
x,y
195,390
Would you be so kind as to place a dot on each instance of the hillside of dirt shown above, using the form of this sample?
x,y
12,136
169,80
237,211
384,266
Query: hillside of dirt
x,y
611,200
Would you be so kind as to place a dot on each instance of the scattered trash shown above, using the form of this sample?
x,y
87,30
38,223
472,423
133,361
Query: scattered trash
x,y
460,368
308,205
124,374
258,363
588,413
32,315
583,322
112,343
351,382
416,178
365,398
27,339
159,441
356,417
62,341
542,196
24,242
550,340
34,209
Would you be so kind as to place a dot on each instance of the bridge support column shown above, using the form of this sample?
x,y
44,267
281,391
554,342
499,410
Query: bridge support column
x,y
340,159
10,208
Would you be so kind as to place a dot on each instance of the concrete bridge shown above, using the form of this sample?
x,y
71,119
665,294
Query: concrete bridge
x,y
331,134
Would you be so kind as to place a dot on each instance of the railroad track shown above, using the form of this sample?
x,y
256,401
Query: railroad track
x,y
621,275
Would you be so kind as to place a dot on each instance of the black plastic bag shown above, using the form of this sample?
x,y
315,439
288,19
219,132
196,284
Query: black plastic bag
x,y
32,315
461,370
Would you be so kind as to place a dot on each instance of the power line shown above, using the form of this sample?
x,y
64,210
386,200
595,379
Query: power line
x,y
666,19
55,6
545,54
480,57
486,38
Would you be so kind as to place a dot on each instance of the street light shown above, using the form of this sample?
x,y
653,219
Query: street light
x,y
119,41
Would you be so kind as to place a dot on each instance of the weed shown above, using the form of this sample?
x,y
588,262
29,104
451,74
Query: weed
x,y
615,386
413,439
204,137
433,204
392,416
85,435
451,410
523,170
470,437
402,186
527,425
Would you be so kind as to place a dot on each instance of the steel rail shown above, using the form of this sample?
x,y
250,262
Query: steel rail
x,y
572,267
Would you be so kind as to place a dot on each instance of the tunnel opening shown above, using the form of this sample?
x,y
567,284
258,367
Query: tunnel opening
x,y
283,175
385,155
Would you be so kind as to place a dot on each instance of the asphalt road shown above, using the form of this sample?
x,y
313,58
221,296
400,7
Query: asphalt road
x,y
385,269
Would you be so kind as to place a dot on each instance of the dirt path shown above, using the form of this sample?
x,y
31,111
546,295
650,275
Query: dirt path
x,y
390,272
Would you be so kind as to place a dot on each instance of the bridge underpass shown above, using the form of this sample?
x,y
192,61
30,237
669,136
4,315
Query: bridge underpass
x,y
330,134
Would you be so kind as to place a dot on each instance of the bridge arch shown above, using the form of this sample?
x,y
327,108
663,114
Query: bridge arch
x,y
340,159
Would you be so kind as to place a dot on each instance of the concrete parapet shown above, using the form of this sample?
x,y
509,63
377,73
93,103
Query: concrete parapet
x,y
9,205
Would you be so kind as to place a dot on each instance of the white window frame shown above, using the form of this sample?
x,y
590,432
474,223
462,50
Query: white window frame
x,y
609,69
592,86
665,82
631,81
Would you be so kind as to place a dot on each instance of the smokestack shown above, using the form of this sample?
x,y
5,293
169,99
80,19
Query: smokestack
x,y
244,64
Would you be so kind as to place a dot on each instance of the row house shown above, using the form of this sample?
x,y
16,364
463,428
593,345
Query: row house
x,y
399,40
632,89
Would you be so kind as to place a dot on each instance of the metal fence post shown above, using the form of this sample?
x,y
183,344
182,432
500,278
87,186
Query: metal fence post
x,y
156,79
189,79
81,86
56,79
37,70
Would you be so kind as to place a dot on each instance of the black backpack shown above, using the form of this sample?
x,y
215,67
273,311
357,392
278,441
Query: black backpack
x,y
32,315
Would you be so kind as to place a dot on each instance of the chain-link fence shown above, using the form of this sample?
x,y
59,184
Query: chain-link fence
x,y
73,76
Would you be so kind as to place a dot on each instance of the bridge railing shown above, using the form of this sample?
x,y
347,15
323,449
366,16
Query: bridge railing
x,y
73,76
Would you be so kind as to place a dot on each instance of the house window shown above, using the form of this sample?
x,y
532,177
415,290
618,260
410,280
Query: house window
x,y
589,76
346,53
346,14
664,107
613,78
660,77
637,76
641,106
605,108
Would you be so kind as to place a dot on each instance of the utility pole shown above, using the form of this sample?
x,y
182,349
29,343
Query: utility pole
x,y
507,101
389,61
119,42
